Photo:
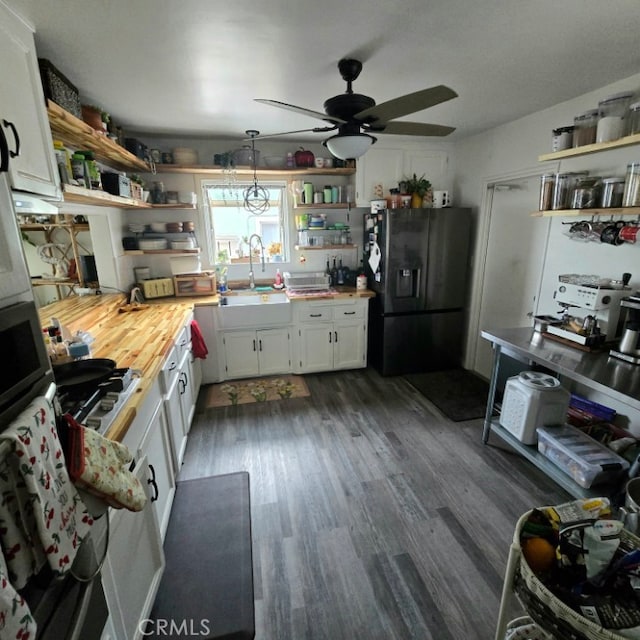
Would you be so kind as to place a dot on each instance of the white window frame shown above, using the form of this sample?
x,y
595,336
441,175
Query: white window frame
x,y
210,240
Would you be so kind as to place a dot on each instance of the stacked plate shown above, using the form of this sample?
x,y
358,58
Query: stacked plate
x,y
182,244
137,227
174,227
158,227
188,226
155,244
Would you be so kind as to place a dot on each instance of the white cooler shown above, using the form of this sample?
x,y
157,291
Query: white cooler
x,y
533,399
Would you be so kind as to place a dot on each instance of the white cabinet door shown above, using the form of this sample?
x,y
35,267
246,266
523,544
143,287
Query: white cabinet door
x,y
134,565
241,354
23,117
175,422
315,347
157,449
348,345
185,389
274,351
378,166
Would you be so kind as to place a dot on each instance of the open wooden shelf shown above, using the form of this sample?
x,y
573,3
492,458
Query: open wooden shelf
x,y
175,252
77,134
622,211
98,198
248,171
333,205
591,148
325,247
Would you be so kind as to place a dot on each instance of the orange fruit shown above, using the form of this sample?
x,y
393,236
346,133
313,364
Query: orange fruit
x,y
539,553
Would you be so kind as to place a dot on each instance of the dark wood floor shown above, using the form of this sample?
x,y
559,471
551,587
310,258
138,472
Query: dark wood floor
x,y
374,516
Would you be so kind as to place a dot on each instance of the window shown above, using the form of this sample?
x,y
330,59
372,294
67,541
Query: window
x,y
232,225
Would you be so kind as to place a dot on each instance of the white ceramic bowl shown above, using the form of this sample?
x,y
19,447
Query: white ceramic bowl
x,y
158,227
274,162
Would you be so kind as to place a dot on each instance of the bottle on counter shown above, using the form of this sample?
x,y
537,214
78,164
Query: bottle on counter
x,y
361,279
340,272
328,271
334,272
278,279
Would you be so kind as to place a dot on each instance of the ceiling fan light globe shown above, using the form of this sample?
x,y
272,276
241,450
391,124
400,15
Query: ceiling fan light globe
x,y
349,147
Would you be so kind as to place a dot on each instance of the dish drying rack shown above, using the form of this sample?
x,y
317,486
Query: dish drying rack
x,y
306,281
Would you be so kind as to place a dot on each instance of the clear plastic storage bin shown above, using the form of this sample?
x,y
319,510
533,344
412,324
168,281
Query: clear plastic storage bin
x,y
588,462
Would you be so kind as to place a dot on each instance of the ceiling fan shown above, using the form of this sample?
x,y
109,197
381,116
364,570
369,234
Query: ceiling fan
x,y
356,116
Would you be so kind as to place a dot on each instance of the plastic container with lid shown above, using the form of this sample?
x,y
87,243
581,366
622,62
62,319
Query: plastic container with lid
x,y
631,195
587,461
611,192
562,138
612,112
533,399
585,125
547,182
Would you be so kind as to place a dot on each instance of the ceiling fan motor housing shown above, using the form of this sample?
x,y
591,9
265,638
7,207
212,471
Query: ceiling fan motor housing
x,y
347,105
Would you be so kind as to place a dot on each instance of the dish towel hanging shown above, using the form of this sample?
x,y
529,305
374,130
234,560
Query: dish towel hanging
x,y
198,345
42,517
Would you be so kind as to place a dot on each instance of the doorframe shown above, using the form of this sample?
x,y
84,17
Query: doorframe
x,y
481,249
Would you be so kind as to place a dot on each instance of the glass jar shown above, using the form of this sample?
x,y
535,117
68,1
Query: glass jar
x,y
631,195
158,195
612,111
547,182
634,119
584,130
611,193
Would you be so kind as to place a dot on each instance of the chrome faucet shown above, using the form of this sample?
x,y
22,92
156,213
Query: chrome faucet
x,y
252,283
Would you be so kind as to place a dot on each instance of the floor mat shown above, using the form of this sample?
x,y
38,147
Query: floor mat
x,y
458,393
256,390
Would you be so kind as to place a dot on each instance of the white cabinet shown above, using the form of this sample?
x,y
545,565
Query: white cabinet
x,y
157,448
23,118
330,336
134,564
389,166
256,352
186,391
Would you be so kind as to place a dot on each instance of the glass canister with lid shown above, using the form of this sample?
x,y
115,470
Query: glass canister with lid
x,y
585,194
631,195
612,112
611,192
563,188
634,119
585,125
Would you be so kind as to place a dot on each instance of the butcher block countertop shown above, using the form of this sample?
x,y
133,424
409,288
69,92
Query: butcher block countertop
x,y
136,339
142,339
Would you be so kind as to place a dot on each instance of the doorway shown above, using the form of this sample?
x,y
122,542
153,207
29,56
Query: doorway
x,y
515,244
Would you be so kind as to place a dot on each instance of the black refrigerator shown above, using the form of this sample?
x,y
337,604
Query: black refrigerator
x,y
417,262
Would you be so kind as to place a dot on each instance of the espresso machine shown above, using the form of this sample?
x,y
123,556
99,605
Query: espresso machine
x,y
629,346
597,300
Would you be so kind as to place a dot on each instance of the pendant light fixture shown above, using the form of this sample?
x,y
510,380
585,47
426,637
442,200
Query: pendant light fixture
x,y
256,198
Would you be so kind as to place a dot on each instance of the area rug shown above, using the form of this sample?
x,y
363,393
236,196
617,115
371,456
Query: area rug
x,y
256,390
458,393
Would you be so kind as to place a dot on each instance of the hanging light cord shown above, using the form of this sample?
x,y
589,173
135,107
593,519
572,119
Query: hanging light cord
x,y
256,198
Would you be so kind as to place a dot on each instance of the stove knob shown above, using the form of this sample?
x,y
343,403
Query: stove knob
x,y
106,404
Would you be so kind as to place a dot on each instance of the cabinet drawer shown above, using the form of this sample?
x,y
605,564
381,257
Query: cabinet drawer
x,y
170,369
183,342
313,313
348,312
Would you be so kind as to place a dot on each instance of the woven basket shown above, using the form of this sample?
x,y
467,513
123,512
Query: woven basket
x,y
549,612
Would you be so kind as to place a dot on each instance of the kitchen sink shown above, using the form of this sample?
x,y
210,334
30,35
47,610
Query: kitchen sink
x,y
254,310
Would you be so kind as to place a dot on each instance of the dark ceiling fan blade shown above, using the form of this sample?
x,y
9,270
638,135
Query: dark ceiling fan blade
x,y
412,129
285,133
302,110
404,105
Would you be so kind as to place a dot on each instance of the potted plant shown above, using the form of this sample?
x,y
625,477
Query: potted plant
x,y
418,188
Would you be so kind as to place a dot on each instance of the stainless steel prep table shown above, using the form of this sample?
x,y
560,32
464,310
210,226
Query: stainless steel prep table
x,y
599,371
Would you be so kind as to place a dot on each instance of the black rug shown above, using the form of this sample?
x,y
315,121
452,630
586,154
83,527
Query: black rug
x,y
458,393
208,578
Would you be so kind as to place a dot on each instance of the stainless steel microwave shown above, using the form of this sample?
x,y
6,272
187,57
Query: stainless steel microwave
x,y
26,369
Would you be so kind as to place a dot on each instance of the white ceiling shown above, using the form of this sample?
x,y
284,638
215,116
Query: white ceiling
x,y
194,67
